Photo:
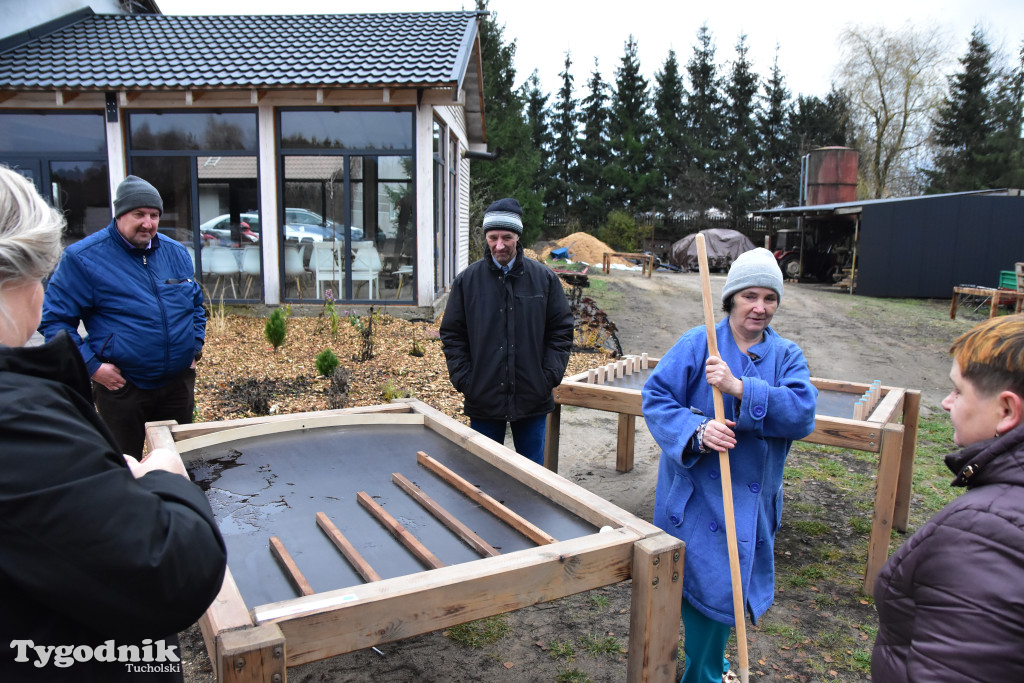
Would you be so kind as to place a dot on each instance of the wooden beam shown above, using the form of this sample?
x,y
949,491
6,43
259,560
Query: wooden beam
x,y
600,397
846,433
551,441
400,532
66,96
513,519
885,501
6,95
654,612
624,443
905,487
347,549
289,566
226,613
469,537
182,432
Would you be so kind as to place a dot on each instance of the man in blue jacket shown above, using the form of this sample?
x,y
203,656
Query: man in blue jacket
x,y
137,296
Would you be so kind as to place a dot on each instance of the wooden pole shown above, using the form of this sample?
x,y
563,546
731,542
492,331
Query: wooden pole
x,y
723,463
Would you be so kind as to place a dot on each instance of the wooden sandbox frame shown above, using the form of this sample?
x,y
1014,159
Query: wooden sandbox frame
x,y
258,643
889,430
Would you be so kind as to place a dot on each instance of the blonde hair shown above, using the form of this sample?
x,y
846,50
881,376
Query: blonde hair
x,y
30,230
991,355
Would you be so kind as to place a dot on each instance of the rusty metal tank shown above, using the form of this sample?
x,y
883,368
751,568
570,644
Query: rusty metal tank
x,y
831,175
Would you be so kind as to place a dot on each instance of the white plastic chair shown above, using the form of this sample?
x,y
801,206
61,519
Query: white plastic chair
x,y
366,267
324,264
251,266
293,267
222,262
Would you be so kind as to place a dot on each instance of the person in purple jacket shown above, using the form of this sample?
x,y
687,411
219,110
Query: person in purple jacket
x,y
769,402
951,599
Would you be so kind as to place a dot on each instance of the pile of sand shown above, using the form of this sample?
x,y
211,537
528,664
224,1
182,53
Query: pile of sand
x,y
584,247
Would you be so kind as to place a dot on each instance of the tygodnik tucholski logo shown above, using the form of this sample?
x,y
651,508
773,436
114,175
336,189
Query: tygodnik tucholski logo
x,y
149,657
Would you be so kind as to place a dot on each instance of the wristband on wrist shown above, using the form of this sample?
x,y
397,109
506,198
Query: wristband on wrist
x,y
700,436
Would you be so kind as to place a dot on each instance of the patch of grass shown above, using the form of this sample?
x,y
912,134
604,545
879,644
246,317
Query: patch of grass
x,y
572,676
600,601
561,649
789,634
861,525
601,645
811,527
477,634
821,601
814,572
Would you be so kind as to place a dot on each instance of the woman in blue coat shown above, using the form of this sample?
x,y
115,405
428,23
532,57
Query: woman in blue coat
x,y
769,402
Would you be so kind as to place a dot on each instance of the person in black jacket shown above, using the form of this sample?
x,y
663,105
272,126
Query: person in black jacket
x,y
507,334
104,558
951,599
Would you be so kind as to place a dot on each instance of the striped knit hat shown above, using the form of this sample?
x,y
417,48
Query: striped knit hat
x,y
504,214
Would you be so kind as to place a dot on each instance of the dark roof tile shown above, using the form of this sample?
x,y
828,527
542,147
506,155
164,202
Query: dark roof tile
x,y
148,51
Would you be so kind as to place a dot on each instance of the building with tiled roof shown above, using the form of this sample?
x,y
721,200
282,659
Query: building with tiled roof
x,y
326,153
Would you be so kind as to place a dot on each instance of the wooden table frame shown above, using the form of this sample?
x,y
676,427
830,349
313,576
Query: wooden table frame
x,y
257,644
996,295
890,430
646,261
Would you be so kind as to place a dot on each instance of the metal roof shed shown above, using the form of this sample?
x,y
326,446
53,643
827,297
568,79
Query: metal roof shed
x,y
924,246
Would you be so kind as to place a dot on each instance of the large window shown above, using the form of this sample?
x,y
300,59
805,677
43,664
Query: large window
x,y
204,165
348,227
65,156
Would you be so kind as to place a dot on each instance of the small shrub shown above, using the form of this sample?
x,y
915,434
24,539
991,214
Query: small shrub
x,y
391,391
276,328
326,363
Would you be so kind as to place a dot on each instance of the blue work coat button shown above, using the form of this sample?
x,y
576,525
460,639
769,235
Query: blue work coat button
x,y
757,411
674,519
760,542
755,487
713,526
713,474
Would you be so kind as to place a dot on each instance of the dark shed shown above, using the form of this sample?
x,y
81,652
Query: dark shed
x,y
924,246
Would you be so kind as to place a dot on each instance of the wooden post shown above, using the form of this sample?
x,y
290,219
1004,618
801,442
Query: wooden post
x,y
251,654
625,442
904,489
551,441
601,371
654,614
885,501
644,361
591,376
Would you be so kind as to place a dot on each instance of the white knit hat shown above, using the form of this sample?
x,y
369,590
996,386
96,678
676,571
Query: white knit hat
x,y
754,268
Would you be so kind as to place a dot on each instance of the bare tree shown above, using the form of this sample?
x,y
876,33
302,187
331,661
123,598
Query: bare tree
x,y
894,82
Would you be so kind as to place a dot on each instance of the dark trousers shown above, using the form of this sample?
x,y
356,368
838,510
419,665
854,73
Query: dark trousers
x,y
127,410
527,434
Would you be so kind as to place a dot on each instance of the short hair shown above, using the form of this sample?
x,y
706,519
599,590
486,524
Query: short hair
x,y
30,232
727,303
991,355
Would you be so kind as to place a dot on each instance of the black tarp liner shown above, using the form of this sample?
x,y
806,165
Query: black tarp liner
x,y
274,485
925,247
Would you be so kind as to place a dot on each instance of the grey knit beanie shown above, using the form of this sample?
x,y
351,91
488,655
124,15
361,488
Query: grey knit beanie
x,y
134,193
754,268
504,214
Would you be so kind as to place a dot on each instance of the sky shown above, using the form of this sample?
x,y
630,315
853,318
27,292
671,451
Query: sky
x,y
806,33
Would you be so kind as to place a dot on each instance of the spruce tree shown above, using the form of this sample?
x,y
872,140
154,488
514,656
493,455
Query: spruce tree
x,y
630,173
540,133
669,146
594,154
964,123
705,132
776,157
565,149
740,169
508,135
1006,146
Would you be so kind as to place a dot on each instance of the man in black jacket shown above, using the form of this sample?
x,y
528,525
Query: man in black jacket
x,y
507,333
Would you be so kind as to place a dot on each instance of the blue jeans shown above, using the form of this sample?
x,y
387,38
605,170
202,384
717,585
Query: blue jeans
x,y
704,642
527,434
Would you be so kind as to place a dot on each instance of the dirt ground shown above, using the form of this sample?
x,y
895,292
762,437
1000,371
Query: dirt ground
x,y
843,337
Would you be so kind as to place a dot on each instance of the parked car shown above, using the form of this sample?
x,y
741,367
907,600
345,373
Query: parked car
x,y
303,225
220,228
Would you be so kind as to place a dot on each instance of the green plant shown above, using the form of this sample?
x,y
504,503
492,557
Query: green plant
x,y
391,391
481,632
600,601
572,676
365,329
417,349
597,645
619,230
217,320
561,649
326,363
276,328
331,313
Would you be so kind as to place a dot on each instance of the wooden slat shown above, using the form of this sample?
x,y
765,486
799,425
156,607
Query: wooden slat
x,y
846,433
885,503
347,549
257,653
600,397
889,408
625,442
553,438
904,490
400,532
227,612
290,568
471,538
513,519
